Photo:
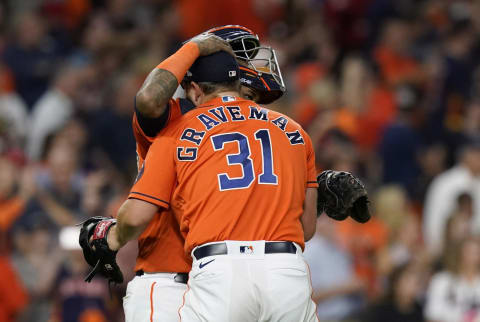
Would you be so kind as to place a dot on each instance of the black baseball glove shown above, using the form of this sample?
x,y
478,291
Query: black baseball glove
x,y
96,252
340,194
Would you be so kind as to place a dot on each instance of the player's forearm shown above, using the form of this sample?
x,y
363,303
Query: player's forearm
x,y
158,88
161,83
132,219
120,234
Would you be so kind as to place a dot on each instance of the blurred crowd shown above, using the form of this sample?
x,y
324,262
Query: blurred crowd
x,y
388,90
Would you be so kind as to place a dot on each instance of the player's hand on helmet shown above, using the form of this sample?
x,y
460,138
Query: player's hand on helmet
x,y
210,43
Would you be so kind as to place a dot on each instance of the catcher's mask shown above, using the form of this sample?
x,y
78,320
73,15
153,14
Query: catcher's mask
x,y
259,65
263,83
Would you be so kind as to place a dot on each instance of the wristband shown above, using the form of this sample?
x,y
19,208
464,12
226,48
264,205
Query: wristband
x,y
179,63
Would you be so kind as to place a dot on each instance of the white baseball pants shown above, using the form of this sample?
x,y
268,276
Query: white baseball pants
x,y
249,286
153,297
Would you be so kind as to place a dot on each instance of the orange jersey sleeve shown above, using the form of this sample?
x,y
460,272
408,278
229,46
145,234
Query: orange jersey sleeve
x,y
156,178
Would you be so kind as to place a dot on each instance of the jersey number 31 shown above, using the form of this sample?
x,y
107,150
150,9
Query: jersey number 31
x,y
243,158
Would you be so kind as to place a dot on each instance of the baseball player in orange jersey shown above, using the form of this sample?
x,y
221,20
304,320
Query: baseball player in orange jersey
x,y
156,292
242,183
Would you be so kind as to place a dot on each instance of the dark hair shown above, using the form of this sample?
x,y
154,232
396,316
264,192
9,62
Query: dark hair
x,y
395,276
464,197
453,253
210,87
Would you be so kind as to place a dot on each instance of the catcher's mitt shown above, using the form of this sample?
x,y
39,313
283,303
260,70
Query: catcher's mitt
x,y
97,253
340,194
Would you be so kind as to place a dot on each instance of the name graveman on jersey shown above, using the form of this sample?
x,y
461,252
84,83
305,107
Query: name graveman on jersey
x,y
218,115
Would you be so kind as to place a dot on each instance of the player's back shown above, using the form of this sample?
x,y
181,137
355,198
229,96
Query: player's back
x,y
242,171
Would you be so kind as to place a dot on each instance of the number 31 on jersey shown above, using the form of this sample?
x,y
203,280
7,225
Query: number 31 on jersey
x,y
243,158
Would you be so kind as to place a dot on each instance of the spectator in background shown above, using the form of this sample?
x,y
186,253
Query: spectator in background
x,y
316,109
93,201
401,139
57,190
337,292
455,83
62,182
401,303
393,54
454,294
200,15
432,161
335,150
74,135
367,106
97,35
405,245
393,209
471,123
312,45
391,206
365,243
347,22
37,260
64,16
13,295
74,301
315,93
15,191
441,195
112,127
459,225
31,56
13,115
465,205
54,109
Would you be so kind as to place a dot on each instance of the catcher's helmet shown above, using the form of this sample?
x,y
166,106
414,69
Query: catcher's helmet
x,y
259,67
243,41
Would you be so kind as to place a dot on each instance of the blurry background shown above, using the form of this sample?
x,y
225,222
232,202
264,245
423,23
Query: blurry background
x,y
389,90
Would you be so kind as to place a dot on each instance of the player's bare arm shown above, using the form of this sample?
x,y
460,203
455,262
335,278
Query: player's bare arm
x,y
161,83
153,96
309,216
132,219
101,237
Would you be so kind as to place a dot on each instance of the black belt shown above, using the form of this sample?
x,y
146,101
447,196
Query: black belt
x,y
221,249
179,277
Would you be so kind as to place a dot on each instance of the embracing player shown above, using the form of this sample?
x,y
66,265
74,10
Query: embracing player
x,y
241,180
162,266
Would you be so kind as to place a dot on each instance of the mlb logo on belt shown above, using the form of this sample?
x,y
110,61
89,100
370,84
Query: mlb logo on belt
x,y
246,249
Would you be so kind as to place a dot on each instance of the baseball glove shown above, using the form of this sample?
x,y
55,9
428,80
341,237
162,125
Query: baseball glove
x,y
96,252
340,194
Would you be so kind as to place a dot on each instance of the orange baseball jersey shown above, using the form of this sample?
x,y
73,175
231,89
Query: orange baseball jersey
x,y
230,170
160,247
